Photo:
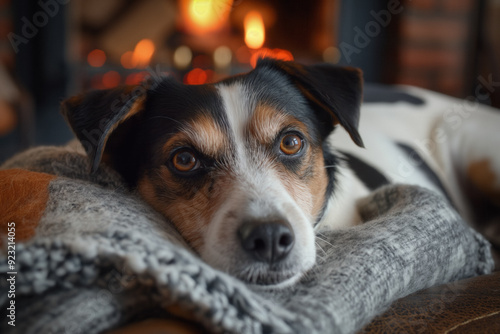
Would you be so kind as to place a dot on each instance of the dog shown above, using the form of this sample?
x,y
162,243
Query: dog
x,y
250,168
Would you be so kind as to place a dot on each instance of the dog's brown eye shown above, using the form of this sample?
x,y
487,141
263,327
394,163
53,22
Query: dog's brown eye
x,y
185,161
291,144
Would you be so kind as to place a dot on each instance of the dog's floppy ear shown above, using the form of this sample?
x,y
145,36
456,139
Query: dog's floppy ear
x,y
95,115
332,89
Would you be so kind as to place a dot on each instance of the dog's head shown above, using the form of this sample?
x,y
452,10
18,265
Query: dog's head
x,y
240,166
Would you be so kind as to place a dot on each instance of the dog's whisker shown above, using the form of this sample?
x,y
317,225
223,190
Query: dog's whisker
x,y
320,248
324,254
323,240
322,258
320,236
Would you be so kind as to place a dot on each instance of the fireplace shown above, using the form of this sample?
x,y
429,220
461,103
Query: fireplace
x,y
63,47
198,41
92,44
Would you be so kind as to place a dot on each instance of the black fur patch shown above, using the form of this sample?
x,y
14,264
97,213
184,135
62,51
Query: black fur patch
x,y
331,166
369,175
429,173
376,93
168,108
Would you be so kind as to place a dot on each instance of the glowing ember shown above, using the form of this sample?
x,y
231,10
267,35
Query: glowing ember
x,y
255,34
205,16
136,78
131,79
268,53
196,76
111,79
143,52
96,58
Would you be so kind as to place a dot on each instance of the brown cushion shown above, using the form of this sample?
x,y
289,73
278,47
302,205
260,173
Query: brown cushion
x,y
466,306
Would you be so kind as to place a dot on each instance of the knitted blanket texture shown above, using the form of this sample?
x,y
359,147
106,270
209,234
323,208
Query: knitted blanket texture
x,y
101,258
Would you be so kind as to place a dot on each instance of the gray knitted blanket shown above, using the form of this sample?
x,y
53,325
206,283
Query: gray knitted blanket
x,y
100,258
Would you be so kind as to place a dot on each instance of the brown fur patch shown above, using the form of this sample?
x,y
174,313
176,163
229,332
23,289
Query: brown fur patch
x,y
318,182
24,196
190,211
266,122
190,208
483,177
205,135
308,185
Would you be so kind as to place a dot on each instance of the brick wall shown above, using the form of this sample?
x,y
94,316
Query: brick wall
x,y
6,26
435,45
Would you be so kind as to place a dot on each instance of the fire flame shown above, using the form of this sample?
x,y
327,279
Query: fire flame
x,y
96,58
204,16
198,76
268,53
255,34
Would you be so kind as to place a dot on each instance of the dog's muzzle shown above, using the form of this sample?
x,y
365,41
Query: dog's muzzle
x,y
267,241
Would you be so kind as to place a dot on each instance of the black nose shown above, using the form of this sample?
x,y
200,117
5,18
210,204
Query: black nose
x,y
267,242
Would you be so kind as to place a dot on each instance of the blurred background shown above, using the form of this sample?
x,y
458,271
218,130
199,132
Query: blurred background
x,y
51,49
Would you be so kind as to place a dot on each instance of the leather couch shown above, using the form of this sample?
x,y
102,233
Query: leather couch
x,y
468,306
